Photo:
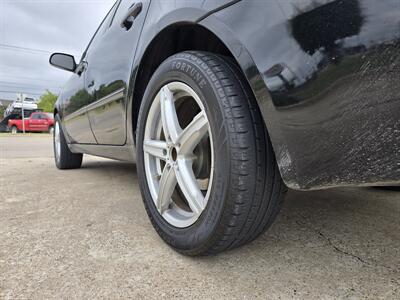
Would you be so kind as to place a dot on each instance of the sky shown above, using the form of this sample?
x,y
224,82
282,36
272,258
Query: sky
x,y
30,30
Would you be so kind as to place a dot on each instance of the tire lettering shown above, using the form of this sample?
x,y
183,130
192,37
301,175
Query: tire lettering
x,y
191,71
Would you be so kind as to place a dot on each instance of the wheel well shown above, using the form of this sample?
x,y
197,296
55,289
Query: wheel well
x,y
173,39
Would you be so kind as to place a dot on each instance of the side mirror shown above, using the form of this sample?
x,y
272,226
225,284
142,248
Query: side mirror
x,y
63,61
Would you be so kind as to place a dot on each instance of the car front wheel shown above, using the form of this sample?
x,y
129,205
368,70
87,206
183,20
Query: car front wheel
x,y
207,172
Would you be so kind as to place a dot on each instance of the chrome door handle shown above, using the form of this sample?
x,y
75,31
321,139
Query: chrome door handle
x,y
131,15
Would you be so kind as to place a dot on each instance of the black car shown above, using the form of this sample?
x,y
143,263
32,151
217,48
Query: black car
x,y
224,104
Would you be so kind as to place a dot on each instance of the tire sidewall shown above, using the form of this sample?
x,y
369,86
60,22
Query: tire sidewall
x,y
182,67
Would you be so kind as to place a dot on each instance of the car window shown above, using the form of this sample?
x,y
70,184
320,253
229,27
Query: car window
x,y
36,116
101,29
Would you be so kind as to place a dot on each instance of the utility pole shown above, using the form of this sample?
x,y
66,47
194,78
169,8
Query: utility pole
x,y
23,113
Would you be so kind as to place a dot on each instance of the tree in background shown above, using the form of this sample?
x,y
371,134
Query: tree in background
x,y
47,101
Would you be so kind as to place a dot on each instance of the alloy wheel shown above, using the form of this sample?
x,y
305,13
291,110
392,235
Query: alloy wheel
x,y
178,154
57,142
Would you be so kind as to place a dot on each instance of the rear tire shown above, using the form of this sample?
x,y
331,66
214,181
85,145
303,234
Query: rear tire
x,y
63,157
246,187
14,130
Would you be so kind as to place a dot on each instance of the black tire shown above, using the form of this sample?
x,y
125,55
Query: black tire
x,y
248,191
66,159
14,129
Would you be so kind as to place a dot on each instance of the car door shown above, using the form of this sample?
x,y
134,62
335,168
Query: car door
x,y
76,97
109,62
74,100
41,123
33,123
44,122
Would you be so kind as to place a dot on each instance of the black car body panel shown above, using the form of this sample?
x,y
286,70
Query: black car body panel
x,y
325,75
108,74
330,90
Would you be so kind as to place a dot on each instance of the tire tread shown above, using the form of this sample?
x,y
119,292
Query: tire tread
x,y
252,213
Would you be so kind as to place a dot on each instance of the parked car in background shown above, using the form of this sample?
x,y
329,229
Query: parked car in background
x,y
37,122
224,104
29,106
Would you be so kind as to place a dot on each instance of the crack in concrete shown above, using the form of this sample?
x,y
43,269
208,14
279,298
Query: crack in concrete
x,y
362,260
344,252
340,250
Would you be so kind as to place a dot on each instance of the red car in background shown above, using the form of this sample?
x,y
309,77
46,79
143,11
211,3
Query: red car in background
x,y
38,121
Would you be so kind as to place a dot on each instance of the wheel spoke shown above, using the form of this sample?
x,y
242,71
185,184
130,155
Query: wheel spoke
x,y
57,135
169,116
156,148
57,141
192,134
166,188
189,186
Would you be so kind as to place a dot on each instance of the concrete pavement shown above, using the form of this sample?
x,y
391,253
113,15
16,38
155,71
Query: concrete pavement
x,y
85,234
